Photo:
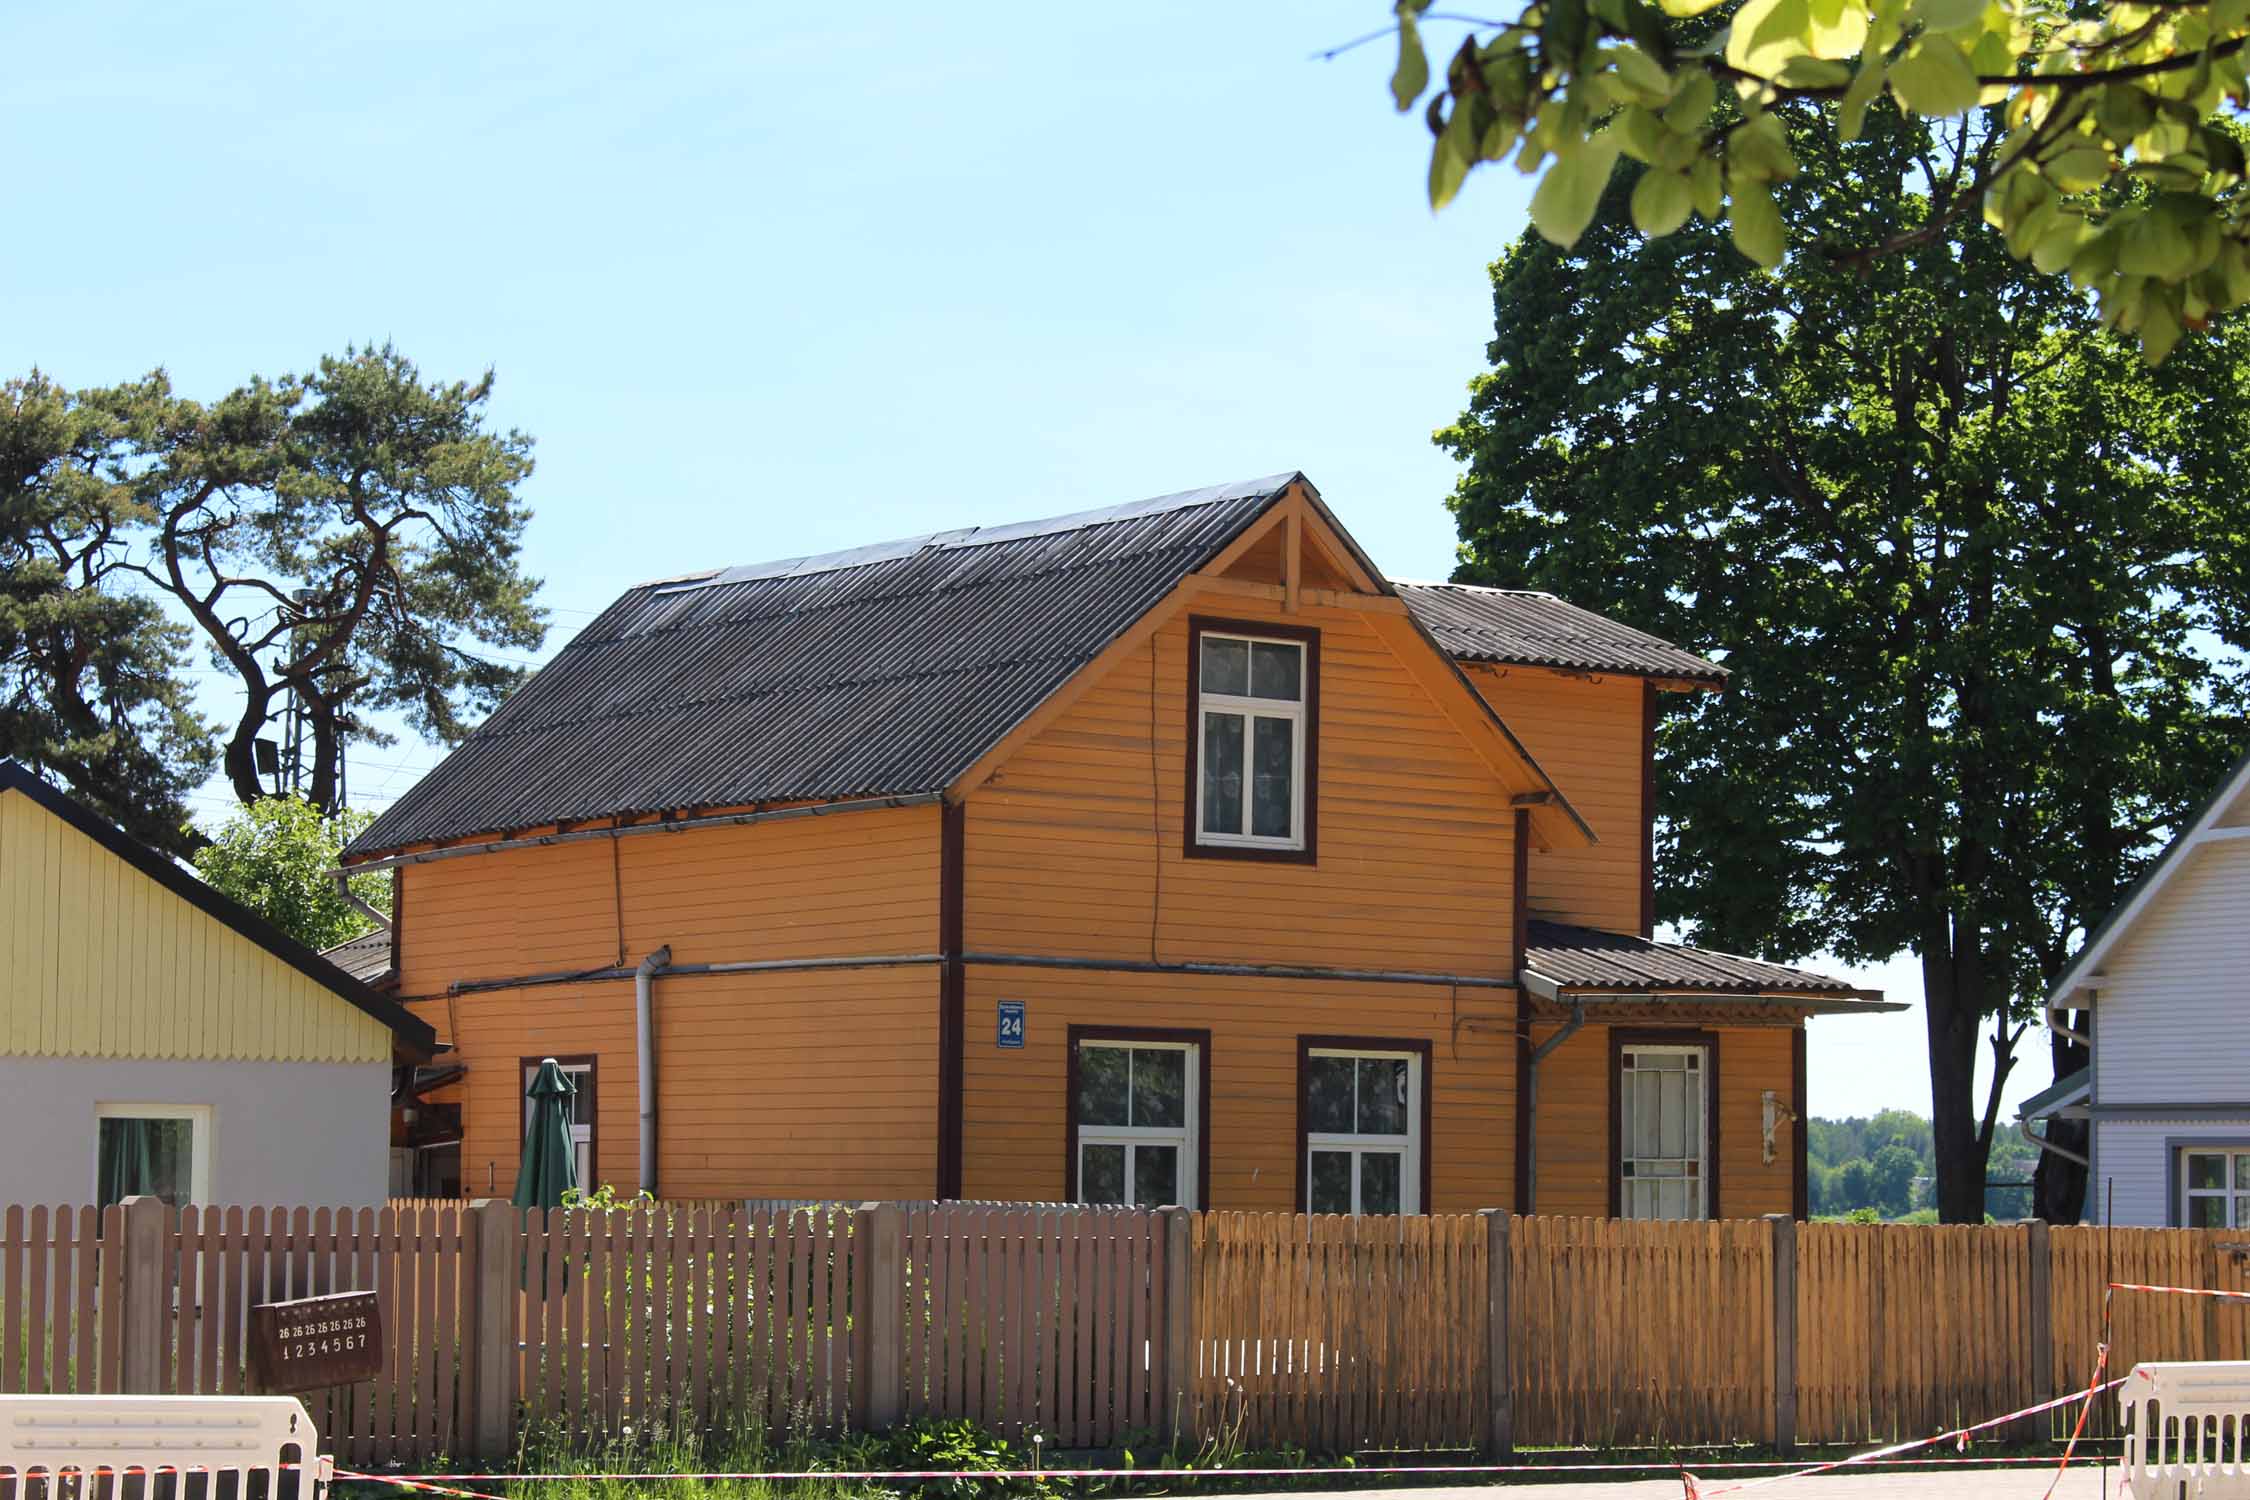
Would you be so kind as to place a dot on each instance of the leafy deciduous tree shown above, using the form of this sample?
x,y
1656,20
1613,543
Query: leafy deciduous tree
x,y
2076,100
274,856
1980,575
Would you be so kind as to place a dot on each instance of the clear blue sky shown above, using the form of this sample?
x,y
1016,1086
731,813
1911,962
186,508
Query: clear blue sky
x,y
764,280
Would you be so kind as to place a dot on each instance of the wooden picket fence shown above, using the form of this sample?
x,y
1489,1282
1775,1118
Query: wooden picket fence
x,y
1091,1326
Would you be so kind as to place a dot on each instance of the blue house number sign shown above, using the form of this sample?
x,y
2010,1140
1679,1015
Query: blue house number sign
x,y
1011,1023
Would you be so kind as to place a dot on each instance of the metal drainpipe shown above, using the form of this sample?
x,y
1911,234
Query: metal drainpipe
x,y
375,914
644,1038
1531,1100
2023,1128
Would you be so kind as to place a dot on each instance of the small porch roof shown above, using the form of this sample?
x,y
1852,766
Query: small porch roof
x,y
1570,963
2071,1088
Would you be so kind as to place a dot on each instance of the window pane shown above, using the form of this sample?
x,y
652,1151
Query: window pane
x,y
1101,1085
1382,1096
1273,778
1274,671
1222,773
1101,1174
2206,1170
1226,666
2241,1212
2242,1172
1330,1182
2206,1212
1378,1181
1156,1175
1328,1095
1671,1129
145,1156
1646,1110
1159,1086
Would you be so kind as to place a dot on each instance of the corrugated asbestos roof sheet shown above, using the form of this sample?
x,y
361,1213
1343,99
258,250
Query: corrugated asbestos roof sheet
x,y
1520,625
367,958
885,670
1588,959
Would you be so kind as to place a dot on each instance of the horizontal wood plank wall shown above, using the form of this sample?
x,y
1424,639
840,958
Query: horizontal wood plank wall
x,y
185,986
1074,848
1016,1110
1641,1332
1586,733
817,1084
1575,1092
799,1085
856,883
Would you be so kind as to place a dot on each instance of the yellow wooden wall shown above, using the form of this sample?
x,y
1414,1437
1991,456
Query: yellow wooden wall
x,y
1015,1110
98,960
1585,732
1074,848
1575,1090
807,1083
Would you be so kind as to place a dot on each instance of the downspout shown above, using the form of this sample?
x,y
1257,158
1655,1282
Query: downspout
x,y
1531,1099
644,1040
2023,1128
377,915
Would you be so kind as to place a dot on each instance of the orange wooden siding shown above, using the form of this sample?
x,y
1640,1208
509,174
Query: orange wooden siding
x,y
813,1084
1074,848
1015,1115
1585,732
1573,1125
851,883
817,1083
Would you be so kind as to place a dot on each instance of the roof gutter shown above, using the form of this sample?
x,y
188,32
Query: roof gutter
x,y
1849,1002
672,825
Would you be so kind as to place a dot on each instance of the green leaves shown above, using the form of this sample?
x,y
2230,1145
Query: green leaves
x,y
1934,78
1756,222
2108,101
1567,196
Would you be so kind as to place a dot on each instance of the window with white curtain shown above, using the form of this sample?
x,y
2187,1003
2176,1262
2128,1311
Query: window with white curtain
x,y
1663,1133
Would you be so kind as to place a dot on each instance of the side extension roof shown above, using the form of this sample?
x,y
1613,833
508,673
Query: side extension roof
x,y
1525,626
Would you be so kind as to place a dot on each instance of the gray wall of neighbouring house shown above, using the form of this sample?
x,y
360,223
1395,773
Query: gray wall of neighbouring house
x,y
316,1134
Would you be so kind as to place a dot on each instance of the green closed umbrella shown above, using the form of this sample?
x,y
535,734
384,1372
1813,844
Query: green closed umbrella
x,y
550,1163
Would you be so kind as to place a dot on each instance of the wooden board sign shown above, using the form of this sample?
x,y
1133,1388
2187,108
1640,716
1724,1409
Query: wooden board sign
x,y
315,1342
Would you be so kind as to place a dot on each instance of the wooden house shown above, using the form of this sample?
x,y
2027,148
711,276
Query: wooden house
x,y
156,1037
2162,986
1165,853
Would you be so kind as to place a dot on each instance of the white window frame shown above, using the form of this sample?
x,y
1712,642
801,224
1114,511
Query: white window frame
x,y
581,1131
2238,1179
1701,1077
198,1117
1250,709
1408,1147
1132,1137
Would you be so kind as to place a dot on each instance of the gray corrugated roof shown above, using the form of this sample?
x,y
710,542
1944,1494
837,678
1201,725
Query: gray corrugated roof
x,y
1589,959
367,958
1520,625
885,670
2068,1089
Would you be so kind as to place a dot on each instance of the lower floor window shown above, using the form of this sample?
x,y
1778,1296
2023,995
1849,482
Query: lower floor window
x,y
1135,1114
1363,1131
2214,1188
160,1150
1663,1132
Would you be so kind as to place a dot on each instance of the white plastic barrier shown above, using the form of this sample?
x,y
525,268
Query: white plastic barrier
x,y
2187,1430
245,1435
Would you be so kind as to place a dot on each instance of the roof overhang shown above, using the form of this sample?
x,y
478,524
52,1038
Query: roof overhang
x,y
2065,1097
1836,1002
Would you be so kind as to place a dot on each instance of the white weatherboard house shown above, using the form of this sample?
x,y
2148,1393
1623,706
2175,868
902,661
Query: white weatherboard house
x,y
158,1038
2167,980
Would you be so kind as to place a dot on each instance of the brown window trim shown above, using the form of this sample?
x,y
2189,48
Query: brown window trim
x,y
1663,1036
1200,1039
1191,844
1420,1047
592,1062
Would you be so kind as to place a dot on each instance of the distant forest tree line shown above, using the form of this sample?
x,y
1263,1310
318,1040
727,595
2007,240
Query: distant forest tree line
x,y
1884,1167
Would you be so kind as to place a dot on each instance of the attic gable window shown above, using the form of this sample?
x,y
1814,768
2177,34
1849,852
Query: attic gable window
x,y
1252,740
